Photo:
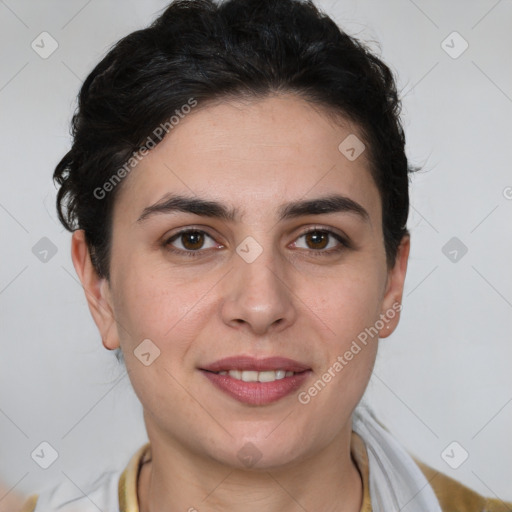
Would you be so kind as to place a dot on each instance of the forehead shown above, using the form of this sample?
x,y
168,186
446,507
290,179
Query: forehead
x,y
254,156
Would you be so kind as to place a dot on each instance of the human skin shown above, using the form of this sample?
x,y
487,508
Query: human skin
x,y
10,500
290,301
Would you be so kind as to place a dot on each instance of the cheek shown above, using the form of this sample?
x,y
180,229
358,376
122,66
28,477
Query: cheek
x,y
350,307
151,305
348,302
169,308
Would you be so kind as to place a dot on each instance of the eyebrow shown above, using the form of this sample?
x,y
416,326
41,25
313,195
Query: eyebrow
x,y
171,203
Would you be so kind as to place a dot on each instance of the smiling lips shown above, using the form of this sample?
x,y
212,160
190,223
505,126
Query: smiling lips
x,y
256,381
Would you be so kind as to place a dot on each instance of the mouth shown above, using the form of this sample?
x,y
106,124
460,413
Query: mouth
x,y
256,381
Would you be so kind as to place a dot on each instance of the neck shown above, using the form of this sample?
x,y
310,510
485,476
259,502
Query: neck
x,y
327,482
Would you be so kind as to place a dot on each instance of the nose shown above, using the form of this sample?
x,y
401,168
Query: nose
x,y
258,295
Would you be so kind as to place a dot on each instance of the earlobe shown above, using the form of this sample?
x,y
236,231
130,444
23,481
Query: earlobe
x,y
392,300
97,290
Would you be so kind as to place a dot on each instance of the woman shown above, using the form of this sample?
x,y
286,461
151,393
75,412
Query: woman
x,y
238,195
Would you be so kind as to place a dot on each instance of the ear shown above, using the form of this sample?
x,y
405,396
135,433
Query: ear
x,y
97,291
392,300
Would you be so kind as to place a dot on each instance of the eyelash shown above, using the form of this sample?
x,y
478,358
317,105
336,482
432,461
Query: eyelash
x,y
344,244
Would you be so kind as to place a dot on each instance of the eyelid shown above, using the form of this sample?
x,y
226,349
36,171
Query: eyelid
x,y
207,230
320,227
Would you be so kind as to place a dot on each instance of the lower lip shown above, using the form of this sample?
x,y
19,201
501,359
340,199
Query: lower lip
x,y
257,393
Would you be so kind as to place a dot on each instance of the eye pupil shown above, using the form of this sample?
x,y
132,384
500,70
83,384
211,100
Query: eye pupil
x,y
318,236
196,237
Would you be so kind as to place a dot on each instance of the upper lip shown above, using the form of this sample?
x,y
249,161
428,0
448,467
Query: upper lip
x,y
252,363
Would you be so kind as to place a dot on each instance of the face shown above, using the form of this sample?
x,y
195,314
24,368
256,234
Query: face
x,y
281,284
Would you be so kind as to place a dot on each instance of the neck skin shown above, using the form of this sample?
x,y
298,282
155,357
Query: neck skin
x,y
176,480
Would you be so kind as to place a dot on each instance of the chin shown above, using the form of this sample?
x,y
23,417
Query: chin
x,y
262,452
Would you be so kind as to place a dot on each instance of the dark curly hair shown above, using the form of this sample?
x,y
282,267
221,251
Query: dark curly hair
x,y
209,51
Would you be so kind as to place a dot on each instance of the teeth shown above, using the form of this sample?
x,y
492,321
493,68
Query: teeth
x,y
270,376
235,374
249,376
253,376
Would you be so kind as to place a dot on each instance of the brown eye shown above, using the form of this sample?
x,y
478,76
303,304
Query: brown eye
x,y
322,242
317,239
192,242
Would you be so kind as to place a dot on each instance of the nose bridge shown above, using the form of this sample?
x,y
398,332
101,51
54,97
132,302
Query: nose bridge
x,y
258,294
258,268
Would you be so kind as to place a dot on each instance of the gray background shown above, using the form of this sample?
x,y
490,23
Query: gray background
x,y
443,376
